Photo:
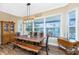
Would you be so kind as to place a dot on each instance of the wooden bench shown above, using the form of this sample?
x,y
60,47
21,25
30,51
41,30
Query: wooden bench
x,y
66,45
76,47
28,47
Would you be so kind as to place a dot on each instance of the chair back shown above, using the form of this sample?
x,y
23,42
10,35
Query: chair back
x,y
47,40
17,33
35,34
31,34
41,34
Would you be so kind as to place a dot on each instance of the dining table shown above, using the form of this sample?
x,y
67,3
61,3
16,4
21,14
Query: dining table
x,y
30,39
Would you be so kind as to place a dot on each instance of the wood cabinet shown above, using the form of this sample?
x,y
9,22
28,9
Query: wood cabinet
x,y
12,31
6,31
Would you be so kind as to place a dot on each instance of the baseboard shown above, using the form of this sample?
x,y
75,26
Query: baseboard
x,y
53,44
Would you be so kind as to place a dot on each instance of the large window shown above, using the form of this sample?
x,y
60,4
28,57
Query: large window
x,y
39,25
29,26
20,26
72,19
53,26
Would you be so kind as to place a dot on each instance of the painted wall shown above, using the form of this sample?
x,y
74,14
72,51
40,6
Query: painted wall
x,y
8,17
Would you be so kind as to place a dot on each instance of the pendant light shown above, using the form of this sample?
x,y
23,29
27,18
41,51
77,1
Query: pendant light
x,y
28,16
28,11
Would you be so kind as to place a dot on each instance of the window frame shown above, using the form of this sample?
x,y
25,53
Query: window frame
x,y
54,20
75,9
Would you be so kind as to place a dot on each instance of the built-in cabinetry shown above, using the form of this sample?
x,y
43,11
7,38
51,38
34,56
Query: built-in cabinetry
x,y
7,32
12,31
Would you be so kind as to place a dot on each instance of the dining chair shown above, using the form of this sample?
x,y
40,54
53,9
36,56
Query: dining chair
x,y
47,48
44,45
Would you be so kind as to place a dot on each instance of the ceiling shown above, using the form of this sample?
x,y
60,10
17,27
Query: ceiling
x,y
20,9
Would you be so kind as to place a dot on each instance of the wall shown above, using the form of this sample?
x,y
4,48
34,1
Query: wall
x,y
8,17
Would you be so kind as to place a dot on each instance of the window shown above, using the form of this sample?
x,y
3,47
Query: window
x,y
72,30
39,25
20,27
53,26
29,26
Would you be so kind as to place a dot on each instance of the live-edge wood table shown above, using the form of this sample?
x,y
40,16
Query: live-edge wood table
x,y
30,39
32,47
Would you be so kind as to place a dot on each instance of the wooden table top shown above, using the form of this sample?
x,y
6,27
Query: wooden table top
x,y
31,39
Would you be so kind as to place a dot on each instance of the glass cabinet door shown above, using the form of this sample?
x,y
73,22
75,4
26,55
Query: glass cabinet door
x,y
12,27
6,24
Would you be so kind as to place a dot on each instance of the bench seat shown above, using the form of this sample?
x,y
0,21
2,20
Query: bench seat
x,y
66,45
28,47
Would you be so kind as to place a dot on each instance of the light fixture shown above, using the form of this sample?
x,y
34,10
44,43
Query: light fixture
x,y
28,11
27,17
